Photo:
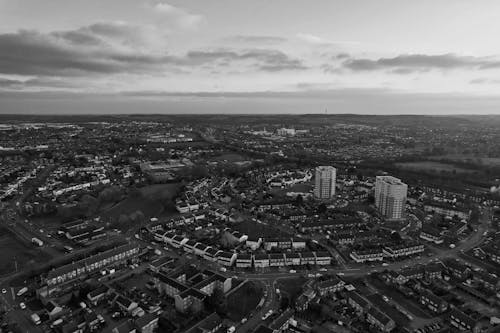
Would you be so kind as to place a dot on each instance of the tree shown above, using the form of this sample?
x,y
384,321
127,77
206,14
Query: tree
x,y
299,200
322,208
217,301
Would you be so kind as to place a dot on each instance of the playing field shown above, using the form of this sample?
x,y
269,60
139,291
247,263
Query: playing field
x,y
432,166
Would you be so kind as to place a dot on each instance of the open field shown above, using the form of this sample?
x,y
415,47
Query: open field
x,y
151,201
230,157
291,286
486,161
255,230
244,300
432,166
13,250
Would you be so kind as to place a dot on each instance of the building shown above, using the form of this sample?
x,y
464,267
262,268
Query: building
x,y
431,234
462,322
276,260
380,320
434,303
86,266
244,260
226,258
390,196
374,254
190,300
261,260
330,286
324,187
403,250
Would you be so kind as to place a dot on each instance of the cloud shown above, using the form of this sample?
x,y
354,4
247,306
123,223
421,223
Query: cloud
x,y
112,48
313,39
484,81
408,63
253,39
29,52
262,59
178,16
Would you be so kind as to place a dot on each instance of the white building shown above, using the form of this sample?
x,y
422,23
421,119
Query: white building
x,y
390,196
324,187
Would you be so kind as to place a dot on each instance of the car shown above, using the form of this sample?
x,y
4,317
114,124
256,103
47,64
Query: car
x,y
22,305
323,270
4,291
385,264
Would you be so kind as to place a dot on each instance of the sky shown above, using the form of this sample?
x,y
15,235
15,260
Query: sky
x,y
258,56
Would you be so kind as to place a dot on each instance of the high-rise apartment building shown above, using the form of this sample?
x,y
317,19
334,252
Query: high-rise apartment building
x,y
390,196
325,182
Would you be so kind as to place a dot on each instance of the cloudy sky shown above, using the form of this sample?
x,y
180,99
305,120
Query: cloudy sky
x,y
258,56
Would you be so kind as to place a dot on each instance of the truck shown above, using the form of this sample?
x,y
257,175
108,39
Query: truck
x,y
36,319
37,241
22,291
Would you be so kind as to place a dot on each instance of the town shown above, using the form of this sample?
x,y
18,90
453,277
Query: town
x,y
249,224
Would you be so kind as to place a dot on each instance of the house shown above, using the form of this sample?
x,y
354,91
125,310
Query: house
x,y
331,285
147,323
373,254
189,246
226,258
261,260
126,304
433,271
244,260
298,244
488,280
434,303
323,258
356,301
199,249
253,243
462,322
292,259
458,269
211,254
431,234
97,295
53,309
380,320
307,258
210,324
403,250
276,260
281,324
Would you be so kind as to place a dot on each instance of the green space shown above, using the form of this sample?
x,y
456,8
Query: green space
x,y
244,300
292,287
142,204
470,159
255,230
14,250
433,166
230,157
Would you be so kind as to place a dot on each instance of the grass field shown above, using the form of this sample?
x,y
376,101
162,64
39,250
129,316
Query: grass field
x,y
255,230
230,157
292,286
488,161
151,201
244,300
432,166
14,250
